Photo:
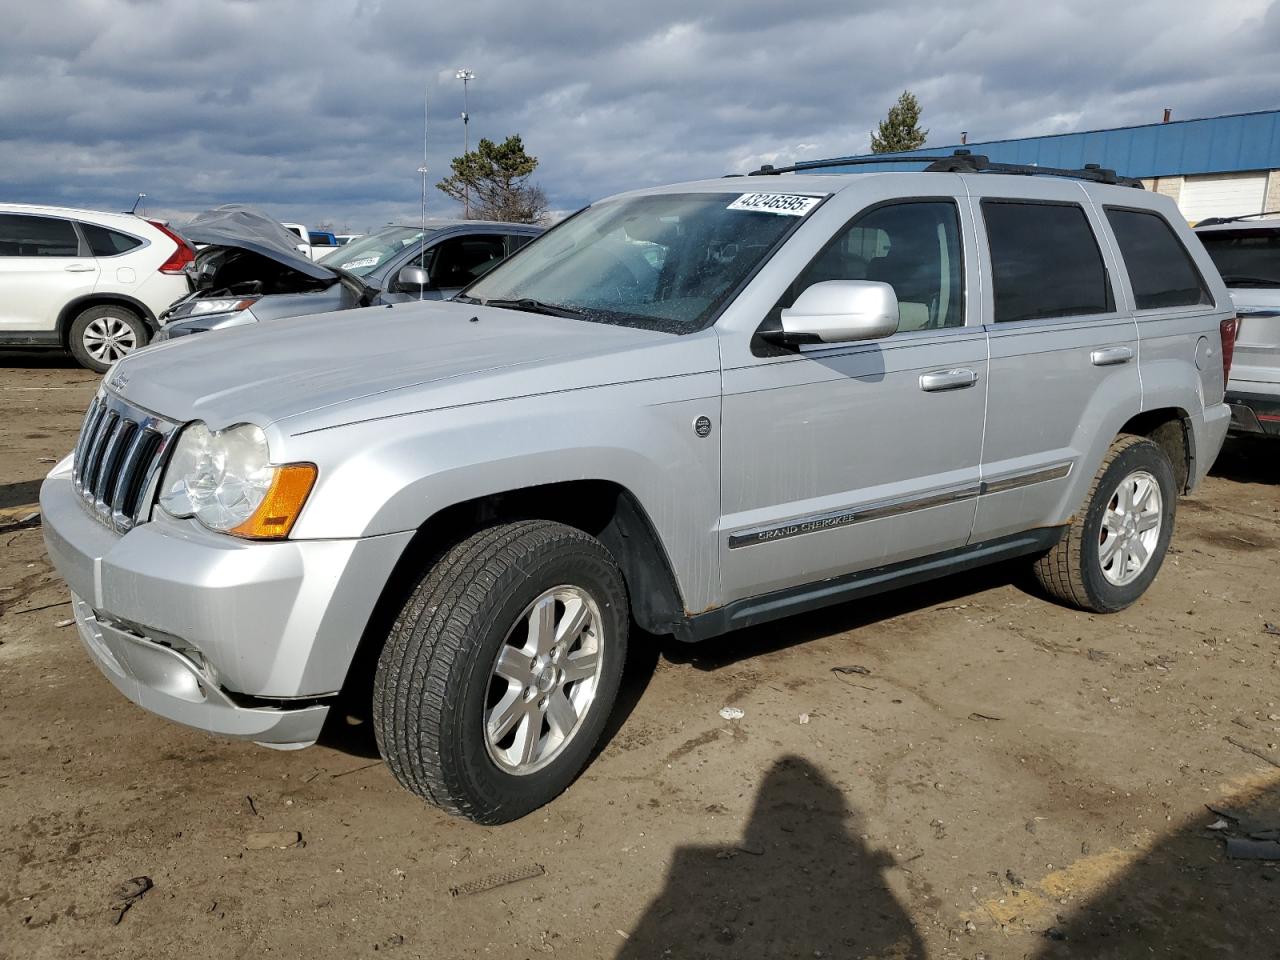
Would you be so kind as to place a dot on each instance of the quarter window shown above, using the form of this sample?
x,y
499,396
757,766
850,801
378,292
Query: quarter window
x,y
1161,271
23,236
1045,261
107,243
913,246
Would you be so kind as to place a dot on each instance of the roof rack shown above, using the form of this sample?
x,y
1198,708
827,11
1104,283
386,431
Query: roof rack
x,y
1215,221
962,161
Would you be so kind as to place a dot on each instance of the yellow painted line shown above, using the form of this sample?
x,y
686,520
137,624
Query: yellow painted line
x,y
1039,901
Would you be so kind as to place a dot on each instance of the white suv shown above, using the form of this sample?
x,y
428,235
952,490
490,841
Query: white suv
x,y
84,280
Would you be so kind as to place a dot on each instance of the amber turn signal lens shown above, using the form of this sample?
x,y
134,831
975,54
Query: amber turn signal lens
x,y
280,507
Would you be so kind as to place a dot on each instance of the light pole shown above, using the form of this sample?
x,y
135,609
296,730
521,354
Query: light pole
x,y
465,76
426,113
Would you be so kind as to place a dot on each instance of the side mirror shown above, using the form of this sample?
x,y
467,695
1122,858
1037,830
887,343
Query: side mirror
x,y
840,311
413,279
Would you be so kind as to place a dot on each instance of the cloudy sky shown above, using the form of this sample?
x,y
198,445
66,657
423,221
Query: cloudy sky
x,y
312,109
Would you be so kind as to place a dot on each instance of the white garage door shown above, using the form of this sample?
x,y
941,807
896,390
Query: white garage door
x,y
1222,195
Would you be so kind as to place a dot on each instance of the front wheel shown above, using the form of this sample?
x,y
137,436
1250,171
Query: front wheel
x,y
500,672
1116,543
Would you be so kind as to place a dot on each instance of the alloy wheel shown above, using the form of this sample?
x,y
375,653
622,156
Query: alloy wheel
x,y
1130,528
544,680
109,338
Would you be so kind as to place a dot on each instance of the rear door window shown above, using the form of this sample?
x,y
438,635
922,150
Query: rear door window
x,y
107,243
1161,271
1045,261
24,236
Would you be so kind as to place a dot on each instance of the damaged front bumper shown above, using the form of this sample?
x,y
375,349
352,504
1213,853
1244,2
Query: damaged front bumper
x,y
178,687
237,638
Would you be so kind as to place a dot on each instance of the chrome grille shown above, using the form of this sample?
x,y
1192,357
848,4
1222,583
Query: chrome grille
x,y
117,459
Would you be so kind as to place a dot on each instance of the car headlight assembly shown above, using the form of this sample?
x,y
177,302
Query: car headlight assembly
x,y
201,308
226,480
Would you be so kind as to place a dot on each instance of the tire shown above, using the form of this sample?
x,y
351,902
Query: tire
x,y
1097,565
440,682
103,334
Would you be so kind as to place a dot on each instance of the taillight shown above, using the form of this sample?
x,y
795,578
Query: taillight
x,y
1229,327
180,257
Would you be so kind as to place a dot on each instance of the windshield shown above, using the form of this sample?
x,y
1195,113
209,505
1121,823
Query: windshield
x,y
663,262
362,256
1245,258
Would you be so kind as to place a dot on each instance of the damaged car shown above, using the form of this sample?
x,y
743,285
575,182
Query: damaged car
x,y
248,269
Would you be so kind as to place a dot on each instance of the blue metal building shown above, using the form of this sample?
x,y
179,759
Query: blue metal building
x,y
1216,166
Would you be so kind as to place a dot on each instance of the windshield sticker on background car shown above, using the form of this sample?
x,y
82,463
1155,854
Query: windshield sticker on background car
x,y
790,204
362,262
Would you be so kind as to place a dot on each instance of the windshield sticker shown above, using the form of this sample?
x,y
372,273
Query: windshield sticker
x,y
362,262
789,204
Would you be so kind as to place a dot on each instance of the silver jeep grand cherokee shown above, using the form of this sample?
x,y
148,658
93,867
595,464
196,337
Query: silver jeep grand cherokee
x,y
693,408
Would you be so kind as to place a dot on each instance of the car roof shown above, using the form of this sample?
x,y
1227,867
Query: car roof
x,y
832,183
442,223
123,220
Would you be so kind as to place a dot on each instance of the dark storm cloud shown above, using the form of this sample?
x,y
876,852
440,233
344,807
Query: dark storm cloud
x,y
314,109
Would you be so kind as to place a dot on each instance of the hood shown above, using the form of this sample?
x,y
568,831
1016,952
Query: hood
x,y
239,226
334,368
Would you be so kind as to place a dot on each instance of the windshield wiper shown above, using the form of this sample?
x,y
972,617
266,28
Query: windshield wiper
x,y
1232,278
529,305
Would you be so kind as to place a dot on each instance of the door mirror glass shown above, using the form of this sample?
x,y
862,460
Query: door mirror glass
x,y
841,311
413,279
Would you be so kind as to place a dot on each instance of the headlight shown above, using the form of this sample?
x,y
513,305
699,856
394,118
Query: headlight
x,y
225,479
200,308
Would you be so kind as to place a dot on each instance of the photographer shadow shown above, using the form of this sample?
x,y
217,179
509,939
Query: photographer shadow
x,y
801,883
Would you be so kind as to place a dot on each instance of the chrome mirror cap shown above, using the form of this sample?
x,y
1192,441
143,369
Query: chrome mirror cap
x,y
840,311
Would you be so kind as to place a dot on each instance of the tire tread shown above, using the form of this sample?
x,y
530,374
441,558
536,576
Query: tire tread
x,y
413,699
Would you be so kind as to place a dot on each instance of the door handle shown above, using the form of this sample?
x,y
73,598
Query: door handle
x,y
79,268
948,379
1110,356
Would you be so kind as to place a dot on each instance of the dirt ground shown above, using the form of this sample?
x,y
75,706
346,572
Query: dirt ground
x,y
1001,777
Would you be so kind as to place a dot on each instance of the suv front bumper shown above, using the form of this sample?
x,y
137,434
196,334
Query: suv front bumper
x,y
1254,413
237,638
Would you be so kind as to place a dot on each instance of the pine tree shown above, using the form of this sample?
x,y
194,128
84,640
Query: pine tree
x,y
901,129
495,177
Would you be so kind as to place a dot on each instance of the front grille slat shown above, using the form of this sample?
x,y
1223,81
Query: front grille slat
x,y
133,476
117,459
93,457
110,445
87,434
112,468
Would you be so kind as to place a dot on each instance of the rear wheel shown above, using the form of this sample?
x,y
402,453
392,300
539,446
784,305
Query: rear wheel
x,y
501,670
1117,542
103,334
